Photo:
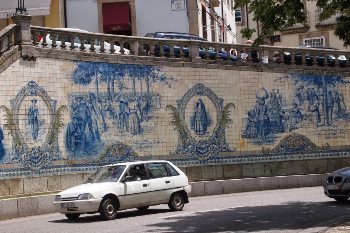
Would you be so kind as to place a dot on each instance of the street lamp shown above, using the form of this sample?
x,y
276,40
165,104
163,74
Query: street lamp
x,y
20,9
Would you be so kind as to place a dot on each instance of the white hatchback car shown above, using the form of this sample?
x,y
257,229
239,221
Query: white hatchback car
x,y
123,186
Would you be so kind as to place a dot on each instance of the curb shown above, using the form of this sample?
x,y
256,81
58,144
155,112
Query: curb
x,y
42,204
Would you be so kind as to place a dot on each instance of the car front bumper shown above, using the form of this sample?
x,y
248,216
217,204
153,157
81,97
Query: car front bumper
x,y
78,206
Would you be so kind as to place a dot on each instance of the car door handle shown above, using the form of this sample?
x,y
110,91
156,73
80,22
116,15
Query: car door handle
x,y
167,182
145,185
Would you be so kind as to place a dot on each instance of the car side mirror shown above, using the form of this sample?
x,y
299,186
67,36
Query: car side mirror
x,y
128,178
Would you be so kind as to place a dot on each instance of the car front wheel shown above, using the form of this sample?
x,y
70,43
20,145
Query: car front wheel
x,y
72,217
176,202
109,209
341,199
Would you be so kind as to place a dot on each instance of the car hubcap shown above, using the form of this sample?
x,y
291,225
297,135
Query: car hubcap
x,y
110,209
177,201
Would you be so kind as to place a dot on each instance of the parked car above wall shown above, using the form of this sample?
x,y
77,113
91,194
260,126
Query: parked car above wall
x,y
77,42
321,59
202,52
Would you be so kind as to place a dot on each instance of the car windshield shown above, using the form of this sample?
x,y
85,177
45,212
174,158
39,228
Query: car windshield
x,y
107,174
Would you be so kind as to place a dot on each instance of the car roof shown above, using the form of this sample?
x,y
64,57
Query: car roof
x,y
137,162
317,47
180,35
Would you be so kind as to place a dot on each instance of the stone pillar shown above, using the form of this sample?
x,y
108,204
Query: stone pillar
x,y
23,35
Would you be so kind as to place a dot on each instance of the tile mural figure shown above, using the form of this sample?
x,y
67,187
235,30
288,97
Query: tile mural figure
x,y
33,120
250,129
200,119
117,104
2,149
330,105
339,104
123,116
263,123
134,118
313,106
295,117
74,137
86,117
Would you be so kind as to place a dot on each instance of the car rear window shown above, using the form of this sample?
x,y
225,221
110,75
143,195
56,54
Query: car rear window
x,y
157,170
171,170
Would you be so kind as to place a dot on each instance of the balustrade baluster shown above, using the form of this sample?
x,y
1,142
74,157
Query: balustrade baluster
x,y
102,46
35,38
161,49
135,48
44,43
92,44
111,46
53,39
71,40
63,42
82,43
122,50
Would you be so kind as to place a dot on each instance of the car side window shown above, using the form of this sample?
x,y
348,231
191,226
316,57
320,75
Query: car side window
x,y
157,170
171,170
136,172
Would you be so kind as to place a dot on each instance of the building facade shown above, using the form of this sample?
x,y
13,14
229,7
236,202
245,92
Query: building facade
x,y
211,19
314,32
48,13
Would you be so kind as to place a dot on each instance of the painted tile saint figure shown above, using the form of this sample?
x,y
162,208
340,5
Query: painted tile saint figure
x,y
74,137
200,119
2,149
33,119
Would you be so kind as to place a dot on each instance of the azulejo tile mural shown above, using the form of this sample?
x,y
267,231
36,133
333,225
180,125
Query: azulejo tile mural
x,y
123,110
316,103
63,116
33,122
197,139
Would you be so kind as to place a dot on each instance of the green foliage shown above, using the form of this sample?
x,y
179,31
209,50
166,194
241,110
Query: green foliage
x,y
247,32
274,15
277,15
342,8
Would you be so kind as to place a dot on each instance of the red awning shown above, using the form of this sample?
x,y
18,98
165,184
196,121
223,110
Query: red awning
x,y
116,17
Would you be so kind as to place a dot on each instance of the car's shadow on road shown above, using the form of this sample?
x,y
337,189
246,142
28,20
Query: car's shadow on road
x,y
122,214
282,218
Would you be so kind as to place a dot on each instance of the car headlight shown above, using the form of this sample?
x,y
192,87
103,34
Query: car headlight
x,y
58,198
85,196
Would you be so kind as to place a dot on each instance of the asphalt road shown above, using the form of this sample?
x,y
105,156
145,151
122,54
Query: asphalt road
x,y
290,210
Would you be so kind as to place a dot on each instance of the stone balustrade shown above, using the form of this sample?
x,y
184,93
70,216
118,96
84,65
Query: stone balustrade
x,y
7,38
184,50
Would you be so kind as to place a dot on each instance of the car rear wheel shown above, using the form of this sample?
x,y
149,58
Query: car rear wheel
x,y
143,208
72,217
176,202
341,199
109,209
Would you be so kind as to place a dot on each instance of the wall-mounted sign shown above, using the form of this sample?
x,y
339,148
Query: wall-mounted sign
x,y
178,5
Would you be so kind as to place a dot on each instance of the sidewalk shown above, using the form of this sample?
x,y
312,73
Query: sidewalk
x,y
341,228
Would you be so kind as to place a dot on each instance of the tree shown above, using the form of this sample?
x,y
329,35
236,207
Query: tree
x,y
277,15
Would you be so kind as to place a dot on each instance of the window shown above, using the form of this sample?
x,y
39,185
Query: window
x,y
138,172
157,170
238,15
316,41
171,170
